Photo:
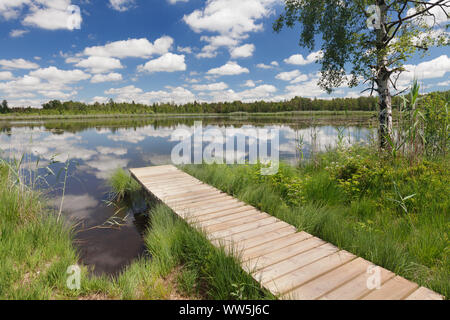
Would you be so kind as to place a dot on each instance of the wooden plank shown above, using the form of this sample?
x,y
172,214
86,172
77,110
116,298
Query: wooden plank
x,y
287,266
167,193
396,288
142,172
255,232
151,173
357,287
206,197
188,192
159,175
163,177
166,182
252,216
243,228
295,279
201,217
203,206
198,212
206,204
236,248
163,183
191,194
171,188
201,203
189,213
279,255
275,245
423,293
331,280
180,198
231,217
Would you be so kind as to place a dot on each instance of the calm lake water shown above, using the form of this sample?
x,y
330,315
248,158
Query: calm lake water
x,y
97,147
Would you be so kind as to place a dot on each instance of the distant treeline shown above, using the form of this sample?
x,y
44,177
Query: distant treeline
x,y
57,107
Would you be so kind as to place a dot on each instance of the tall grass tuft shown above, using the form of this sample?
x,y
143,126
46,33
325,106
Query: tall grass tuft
x,y
122,184
423,126
217,275
35,248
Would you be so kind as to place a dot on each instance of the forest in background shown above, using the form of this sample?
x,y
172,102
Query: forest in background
x,y
56,107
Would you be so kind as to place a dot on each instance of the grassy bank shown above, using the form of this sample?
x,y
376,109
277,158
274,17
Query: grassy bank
x,y
68,116
205,270
36,249
391,212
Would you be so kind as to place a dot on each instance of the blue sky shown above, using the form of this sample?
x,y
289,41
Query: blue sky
x,y
164,51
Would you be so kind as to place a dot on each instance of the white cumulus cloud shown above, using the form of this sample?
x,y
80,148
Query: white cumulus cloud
x,y
230,19
17,33
433,69
131,48
169,62
229,69
53,74
121,5
18,64
297,59
99,64
176,1
244,51
106,77
288,75
132,93
249,83
53,15
10,9
210,87
6,75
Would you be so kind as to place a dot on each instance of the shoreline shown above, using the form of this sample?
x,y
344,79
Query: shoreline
x,y
282,114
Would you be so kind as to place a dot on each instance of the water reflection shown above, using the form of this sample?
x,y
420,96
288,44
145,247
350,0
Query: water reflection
x,y
96,148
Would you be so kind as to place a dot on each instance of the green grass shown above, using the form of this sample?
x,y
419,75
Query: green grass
x,y
36,249
217,275
122,184
352,198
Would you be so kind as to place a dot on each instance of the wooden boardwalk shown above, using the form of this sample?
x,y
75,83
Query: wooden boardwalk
x,y
290,264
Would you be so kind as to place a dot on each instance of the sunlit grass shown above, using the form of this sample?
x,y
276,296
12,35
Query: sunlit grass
x,y
357,213
36,248
172,242
122,184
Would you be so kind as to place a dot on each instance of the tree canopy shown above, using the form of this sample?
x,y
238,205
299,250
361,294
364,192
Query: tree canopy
x,y
367,40
4,107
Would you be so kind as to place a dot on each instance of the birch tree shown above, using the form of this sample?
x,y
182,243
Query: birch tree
x,y
368,41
